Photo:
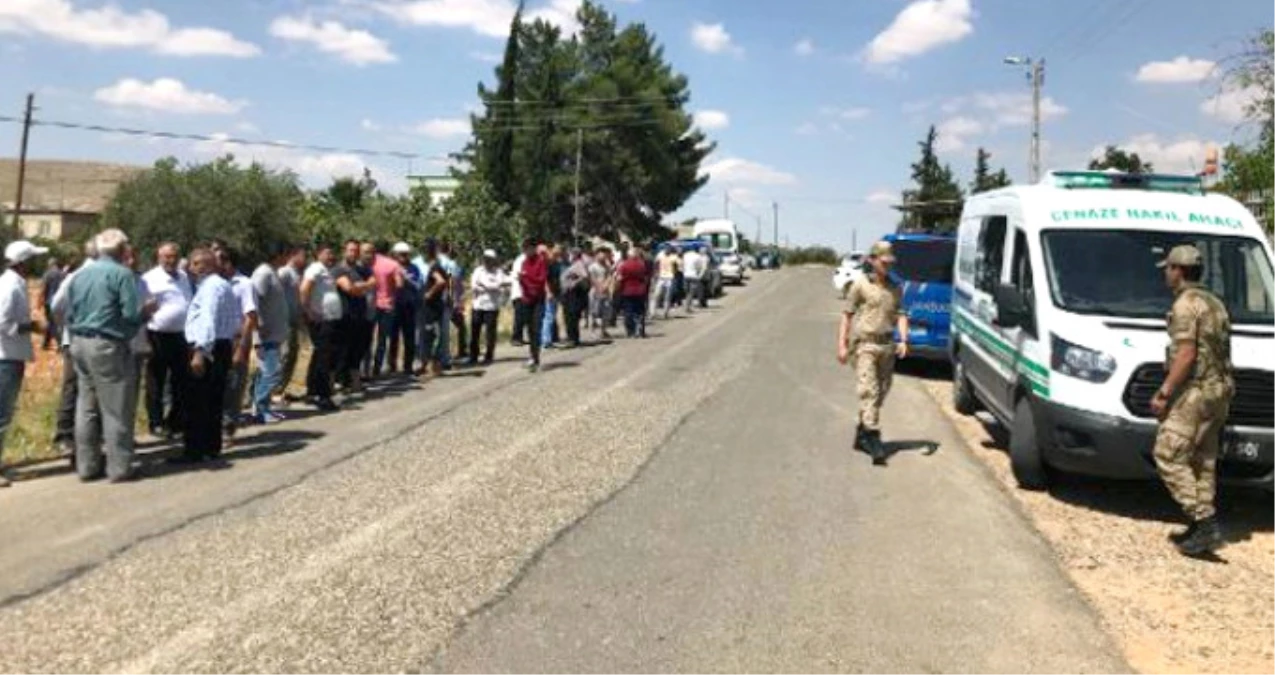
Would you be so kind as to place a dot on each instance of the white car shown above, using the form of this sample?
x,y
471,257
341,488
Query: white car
x,y
851,268
732,268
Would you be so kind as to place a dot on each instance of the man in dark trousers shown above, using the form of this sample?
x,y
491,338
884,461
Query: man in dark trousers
x,y
212,322
166,331
533,278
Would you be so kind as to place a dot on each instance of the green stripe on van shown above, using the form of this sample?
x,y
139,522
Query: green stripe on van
x,y
1036,375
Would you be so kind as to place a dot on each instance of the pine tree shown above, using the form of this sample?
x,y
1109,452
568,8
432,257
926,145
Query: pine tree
x,y
935,200
984,179
494,160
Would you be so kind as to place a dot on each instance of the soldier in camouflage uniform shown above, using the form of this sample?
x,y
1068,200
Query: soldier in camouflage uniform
x,y
877,301
1194,400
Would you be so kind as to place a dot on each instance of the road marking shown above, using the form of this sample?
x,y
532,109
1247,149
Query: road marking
x,y
450,489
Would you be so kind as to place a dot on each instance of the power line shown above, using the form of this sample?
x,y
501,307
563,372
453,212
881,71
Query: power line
x,y
627,100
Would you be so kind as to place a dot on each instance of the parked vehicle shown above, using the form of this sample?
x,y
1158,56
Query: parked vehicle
x,y
712,274
732,268
923,268
1060,319
719,233
851,268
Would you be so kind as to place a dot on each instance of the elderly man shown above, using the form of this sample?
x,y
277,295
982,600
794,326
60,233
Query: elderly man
x,y
489,283
172,289
64,427
106,312
212,323
15,330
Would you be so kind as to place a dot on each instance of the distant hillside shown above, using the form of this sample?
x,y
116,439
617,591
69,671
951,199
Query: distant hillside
x,y
65,185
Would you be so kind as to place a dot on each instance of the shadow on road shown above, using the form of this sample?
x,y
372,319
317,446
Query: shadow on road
x,y
924,369
1242,510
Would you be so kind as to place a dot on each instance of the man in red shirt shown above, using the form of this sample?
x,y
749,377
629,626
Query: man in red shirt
x,y
632,280
533,277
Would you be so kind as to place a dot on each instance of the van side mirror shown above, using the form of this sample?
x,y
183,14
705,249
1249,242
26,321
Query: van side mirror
x,y
1011,307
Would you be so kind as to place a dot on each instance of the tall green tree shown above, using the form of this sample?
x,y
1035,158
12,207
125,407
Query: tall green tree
x,y
1249,169
934,202
496,156
608,96
1117,158
984,179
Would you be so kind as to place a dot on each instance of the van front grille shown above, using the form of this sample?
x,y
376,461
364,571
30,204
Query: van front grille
x,y
1253,405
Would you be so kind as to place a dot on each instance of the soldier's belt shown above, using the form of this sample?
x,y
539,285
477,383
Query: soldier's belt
x,y
876,338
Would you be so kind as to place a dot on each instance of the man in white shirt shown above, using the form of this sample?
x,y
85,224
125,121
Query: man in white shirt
x,y
693,267
15,330
237,380
166,332
322,307
489,284
521,320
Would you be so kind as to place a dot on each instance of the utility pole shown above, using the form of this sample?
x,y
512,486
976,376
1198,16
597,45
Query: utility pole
x,y
775,207
758,239
726,204
22,159
854,240
575,226
1036,76
1038,80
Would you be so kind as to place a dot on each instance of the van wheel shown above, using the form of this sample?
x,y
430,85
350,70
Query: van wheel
x,y
1024,451
963,400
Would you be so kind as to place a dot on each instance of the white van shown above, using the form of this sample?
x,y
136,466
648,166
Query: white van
x,y
1058,319
722,235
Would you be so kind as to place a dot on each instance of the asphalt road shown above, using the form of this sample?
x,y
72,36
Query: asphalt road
x,y
683,503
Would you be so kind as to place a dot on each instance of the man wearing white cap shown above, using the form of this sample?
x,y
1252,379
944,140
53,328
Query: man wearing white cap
x,y
489,283
15,330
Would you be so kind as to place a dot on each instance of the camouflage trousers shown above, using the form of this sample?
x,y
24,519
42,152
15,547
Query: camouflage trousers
x,y
1186,450
874,369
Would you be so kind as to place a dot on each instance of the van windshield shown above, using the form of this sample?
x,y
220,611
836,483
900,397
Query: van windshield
x,y
1114,273
924,261
722,241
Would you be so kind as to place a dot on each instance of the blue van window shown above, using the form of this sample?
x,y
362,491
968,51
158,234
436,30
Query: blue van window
x,y
925,262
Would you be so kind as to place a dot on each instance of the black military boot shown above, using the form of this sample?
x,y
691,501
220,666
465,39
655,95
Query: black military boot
x,y
858,437
1207,538
872,440
1182,535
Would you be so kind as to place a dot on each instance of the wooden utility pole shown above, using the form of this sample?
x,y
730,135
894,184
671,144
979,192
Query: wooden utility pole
x,y
22,159
775,207
575,226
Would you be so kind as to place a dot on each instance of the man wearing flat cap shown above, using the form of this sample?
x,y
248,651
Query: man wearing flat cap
x,y
1194,400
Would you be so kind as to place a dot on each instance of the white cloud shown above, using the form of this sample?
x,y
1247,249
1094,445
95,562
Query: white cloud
x,y
804,47
442,128
1182,156
111,27
1181,69
166,95
954,133
713,38
737,171
850,113
920,27
1004,108
314,169
882,196
1229,105
490,18
358,47
709,120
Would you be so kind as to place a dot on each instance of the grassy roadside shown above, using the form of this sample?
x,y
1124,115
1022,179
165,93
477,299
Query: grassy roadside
x,y
30,437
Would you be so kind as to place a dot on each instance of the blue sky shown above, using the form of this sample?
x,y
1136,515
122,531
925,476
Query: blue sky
x,y
816,106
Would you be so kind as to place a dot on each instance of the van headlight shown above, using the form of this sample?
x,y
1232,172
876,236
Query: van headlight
x,y
1081,362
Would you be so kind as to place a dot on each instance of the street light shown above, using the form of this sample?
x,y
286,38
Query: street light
x,y
1037,77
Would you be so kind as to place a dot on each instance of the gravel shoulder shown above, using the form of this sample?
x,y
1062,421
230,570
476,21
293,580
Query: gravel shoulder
x,y
1168,613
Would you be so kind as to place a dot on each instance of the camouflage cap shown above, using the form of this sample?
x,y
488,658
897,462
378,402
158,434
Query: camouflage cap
x,y
1183,256
882,250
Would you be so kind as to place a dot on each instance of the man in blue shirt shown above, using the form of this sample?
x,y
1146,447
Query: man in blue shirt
x,y
212,321
106,313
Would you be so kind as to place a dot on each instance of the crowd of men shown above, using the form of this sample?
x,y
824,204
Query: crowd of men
x,y
186,330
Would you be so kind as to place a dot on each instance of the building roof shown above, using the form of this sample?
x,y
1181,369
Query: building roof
x,y
63,186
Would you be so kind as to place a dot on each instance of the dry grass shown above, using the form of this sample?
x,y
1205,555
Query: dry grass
x,y
30,437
